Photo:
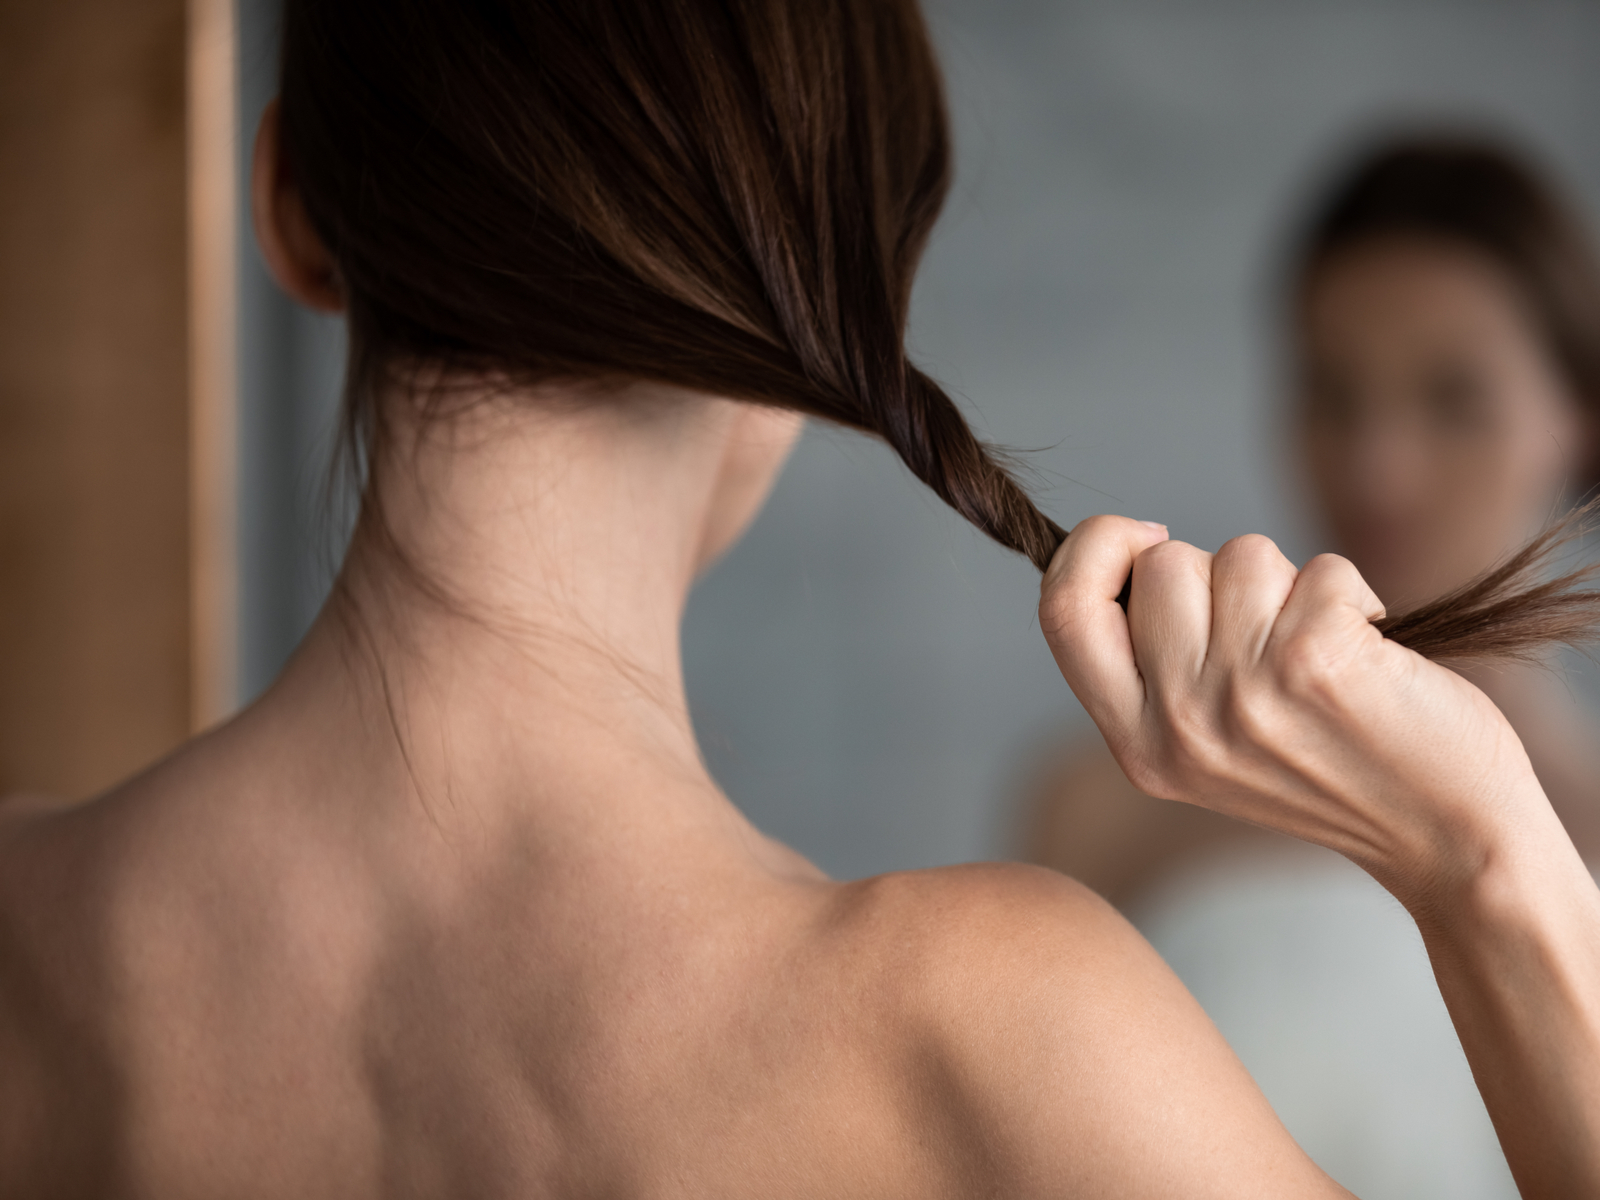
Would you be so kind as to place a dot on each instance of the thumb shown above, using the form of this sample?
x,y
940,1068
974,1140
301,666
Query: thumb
x,y
1085,626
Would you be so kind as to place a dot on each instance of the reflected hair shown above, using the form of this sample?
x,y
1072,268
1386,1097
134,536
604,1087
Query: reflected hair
x,y
1479,194
728,196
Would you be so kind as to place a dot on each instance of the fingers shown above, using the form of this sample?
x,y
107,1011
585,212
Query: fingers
x,y
1169,616
1251,581
1192,619
1331,582
1082,621
1325,622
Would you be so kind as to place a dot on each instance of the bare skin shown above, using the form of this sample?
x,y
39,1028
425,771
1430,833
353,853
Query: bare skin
x,y
1086,820
1435,436
539,954
551,958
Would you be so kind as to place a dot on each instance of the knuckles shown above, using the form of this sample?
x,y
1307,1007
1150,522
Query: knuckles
x,y
1253,571
1193,756
1334,575
1250,550
1254,713
1192,747
1215,733
1311,668
1313,662
1066,592
1101,525
1059,610
1170,556
1186,725
1337,575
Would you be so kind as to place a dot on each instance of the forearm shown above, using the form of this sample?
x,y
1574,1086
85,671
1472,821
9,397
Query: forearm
x,y
1516,950
1244,685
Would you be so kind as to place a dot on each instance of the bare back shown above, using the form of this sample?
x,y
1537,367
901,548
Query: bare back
x,y
276,1017
259,999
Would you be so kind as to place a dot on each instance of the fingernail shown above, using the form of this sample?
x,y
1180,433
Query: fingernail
x,y
1155,525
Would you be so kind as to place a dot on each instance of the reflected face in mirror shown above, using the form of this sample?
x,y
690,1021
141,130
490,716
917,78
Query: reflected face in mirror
x,y
1436,431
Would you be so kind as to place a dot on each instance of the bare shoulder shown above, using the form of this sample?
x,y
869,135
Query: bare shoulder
x,y
117,916
65,866
42,839
52,886
41,836
1053,1038
29,840
989,916
17,808
1007,941
45,975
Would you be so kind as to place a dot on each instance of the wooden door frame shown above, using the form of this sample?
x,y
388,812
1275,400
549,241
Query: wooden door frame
x,y
213,359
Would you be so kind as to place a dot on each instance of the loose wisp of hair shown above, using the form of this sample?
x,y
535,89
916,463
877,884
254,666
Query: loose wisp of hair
x,y
729,196
1514,610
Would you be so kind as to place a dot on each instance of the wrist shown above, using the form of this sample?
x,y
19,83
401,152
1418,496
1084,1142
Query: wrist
x,y
1520,879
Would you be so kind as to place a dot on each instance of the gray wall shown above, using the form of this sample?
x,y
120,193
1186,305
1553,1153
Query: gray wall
x,y
866,671
291,363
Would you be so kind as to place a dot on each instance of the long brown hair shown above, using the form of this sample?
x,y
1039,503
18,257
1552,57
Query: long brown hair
x,y
725,195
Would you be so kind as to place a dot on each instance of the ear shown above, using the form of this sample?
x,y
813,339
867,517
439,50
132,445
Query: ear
x,y
295,255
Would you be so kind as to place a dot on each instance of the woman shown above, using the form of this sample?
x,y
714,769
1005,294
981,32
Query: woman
x,y
455,908
1445,325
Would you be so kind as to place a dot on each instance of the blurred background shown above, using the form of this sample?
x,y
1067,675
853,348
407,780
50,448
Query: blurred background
x,y
865,669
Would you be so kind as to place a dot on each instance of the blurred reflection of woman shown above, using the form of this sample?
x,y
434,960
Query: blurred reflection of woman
x,y
1445,327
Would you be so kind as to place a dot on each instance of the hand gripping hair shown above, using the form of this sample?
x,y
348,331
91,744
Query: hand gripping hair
x,y
724,195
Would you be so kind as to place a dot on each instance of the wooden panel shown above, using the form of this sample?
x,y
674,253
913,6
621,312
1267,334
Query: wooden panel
x,y
213,362
95,629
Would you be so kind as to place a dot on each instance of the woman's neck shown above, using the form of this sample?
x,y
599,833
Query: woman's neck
x,y
504,641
